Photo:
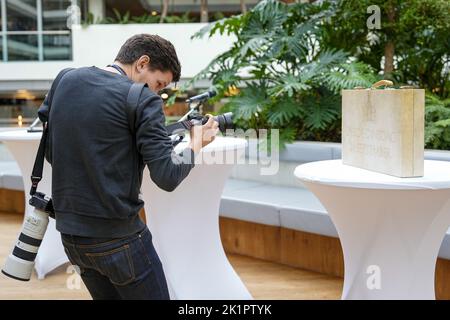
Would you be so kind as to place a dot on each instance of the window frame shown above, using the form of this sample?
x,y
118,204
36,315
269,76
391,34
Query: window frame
x,y
40,32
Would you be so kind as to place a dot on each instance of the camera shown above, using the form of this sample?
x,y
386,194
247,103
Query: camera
x,y
225,122
194,117
19,264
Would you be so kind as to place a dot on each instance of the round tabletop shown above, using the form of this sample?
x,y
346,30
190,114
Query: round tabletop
x,y
219,143
335,173
20,135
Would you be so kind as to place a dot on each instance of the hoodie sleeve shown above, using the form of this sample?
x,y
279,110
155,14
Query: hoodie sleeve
x,y
44,111
167,168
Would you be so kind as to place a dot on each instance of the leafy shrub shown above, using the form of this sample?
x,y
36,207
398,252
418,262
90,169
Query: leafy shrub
x,y
287,80
437,123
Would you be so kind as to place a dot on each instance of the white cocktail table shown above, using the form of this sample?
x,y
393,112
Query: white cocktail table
x,y
390,228
185,226
184,223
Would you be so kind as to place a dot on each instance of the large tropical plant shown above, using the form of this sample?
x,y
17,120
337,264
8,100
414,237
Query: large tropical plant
x,y
284,77
437,123
411,45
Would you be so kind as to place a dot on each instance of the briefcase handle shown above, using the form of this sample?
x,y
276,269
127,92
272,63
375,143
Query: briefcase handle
x,y
376,85
386,83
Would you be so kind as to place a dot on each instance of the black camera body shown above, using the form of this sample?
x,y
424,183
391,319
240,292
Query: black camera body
x,y
43,203
194,117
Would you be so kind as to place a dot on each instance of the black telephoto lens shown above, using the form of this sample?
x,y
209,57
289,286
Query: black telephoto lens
x,y
225,121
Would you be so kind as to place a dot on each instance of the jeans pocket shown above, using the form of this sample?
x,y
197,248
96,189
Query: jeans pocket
x,y
115,264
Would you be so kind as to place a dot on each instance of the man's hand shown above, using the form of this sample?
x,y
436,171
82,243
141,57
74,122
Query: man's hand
x,y
203,135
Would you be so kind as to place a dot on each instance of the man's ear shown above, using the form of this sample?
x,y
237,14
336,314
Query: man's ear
x,y
142,63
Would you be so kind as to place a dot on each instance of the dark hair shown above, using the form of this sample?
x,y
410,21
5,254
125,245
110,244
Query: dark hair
x,y
160,51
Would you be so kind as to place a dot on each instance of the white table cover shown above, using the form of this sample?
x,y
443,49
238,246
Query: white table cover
x,y
390,228
333,172
184,223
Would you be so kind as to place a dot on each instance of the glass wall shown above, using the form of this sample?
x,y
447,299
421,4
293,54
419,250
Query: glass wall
x,y
54,15
21,15
22,47
35,30
216,8
2,27
56,39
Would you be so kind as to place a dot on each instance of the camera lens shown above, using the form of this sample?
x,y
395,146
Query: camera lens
x,y
225,121
19,264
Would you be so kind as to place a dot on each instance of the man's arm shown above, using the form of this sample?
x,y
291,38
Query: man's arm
x,y
44,110
167,169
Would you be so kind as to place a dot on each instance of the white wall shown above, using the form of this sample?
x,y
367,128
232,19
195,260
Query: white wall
x,y
99,44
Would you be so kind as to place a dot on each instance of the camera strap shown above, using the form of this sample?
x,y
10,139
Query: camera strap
x,y
36,175
38,167
132,103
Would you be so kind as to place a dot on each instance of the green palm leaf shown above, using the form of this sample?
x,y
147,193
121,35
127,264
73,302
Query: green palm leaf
x,y
251,101
283,112
321,111
350,75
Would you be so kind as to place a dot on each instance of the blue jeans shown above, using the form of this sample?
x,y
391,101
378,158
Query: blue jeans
x,y
124,268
